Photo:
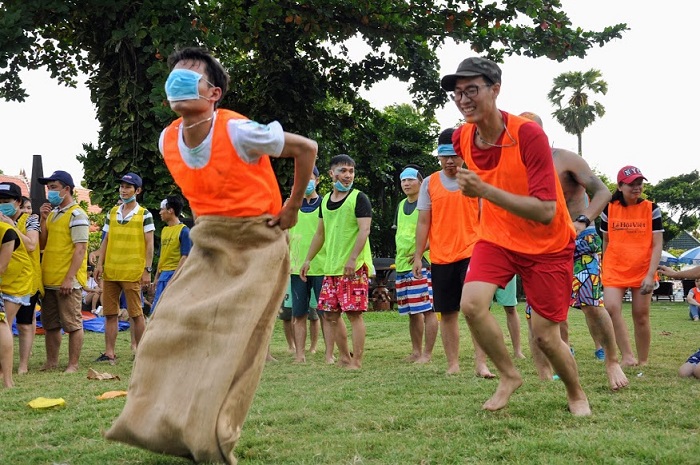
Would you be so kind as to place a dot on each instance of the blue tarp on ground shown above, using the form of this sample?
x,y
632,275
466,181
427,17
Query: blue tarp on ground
x,y
96,325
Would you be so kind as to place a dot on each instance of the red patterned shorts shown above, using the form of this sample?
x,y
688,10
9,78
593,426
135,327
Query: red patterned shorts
x,y
345,294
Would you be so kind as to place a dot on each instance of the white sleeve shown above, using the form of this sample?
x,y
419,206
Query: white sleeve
x,y
160,140
253,140
424,200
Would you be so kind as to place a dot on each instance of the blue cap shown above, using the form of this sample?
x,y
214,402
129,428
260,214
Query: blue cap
x,y
61,176
316,171
409,173
132,178
446,150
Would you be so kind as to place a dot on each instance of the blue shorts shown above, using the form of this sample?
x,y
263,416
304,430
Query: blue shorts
x,y
304,295
163,280
414,295
17,299
694,359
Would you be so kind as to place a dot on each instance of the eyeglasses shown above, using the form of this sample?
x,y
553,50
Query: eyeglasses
x,y
469,91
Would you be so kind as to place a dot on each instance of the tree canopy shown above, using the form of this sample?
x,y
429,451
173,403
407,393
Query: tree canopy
x,y
679,196
580,111
291,61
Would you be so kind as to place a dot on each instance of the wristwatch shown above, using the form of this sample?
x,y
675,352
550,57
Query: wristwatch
x,y
149,269
583,219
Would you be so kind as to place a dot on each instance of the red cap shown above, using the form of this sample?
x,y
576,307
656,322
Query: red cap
x,y
629,174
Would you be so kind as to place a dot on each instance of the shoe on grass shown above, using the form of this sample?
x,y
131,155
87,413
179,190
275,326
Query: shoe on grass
x,y
104,358
600,354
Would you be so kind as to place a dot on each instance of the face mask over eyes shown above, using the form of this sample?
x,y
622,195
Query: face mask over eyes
x,y
8,209
183,84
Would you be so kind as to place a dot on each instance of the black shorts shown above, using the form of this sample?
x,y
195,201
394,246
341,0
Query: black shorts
x,y
448,280
25,314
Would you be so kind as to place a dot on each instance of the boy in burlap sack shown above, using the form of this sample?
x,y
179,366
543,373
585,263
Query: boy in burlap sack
x,y
201,358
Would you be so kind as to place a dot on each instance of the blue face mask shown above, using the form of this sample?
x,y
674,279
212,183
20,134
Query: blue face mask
x,y
310,188
55,198
183,84
340,187
130,199
8,209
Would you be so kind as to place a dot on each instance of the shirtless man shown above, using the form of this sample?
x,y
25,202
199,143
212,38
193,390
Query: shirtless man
x,y
577,181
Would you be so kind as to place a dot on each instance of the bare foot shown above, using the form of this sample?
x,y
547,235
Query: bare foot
x,y
643,364
616,377
452,370
506,388
300,360
292,350
270,358
485,374
22,371
71,369
330,360
48,367
412,358
9,384
312,351
579,408
519,355
344,362
628,362
425,358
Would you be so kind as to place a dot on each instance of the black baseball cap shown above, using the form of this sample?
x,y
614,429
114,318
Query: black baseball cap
x,y
10,190
471,67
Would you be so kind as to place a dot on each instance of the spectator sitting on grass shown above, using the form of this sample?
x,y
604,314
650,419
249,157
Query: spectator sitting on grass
x,y
691,367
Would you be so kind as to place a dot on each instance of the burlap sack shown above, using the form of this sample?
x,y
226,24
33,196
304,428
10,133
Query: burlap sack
x,y
200,360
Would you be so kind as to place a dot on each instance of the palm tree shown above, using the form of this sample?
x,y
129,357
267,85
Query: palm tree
x,y
579,113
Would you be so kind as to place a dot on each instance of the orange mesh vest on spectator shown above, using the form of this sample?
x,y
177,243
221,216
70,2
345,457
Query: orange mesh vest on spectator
x,y
506,229
226,185
453,217
628,253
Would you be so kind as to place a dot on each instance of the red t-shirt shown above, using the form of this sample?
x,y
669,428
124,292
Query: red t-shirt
x,y
534,153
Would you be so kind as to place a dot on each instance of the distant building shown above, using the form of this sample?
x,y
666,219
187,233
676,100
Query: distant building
x,y
683,241
79,193
21,180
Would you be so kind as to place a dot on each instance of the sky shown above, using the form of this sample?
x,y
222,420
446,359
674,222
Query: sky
x,y
648,121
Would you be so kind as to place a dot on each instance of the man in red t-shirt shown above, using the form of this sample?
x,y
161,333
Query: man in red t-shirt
x,y
524,227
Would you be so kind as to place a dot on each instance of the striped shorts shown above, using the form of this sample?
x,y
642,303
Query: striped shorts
x,y
414,295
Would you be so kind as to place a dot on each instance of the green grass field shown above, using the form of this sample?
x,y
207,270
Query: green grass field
x,y
391,412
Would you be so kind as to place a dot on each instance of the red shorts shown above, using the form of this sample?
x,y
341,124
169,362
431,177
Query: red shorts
x,y
546,278
345,294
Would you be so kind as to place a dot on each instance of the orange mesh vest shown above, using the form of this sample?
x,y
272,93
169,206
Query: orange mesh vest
x,y
226,185
506,229
628,252
453,217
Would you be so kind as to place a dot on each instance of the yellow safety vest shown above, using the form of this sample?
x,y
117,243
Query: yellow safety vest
x,y
34,255
125,258
58,252
17,278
